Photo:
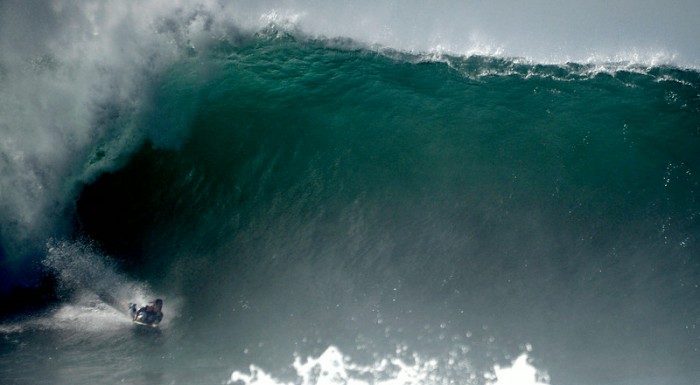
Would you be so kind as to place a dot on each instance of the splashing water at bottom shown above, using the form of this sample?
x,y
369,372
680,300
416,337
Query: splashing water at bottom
x,y
334,368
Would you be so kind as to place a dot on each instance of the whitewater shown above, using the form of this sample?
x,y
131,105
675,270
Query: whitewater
x,y
350,193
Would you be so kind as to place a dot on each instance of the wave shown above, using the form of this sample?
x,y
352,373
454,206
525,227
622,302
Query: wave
x,y
79,100
303,185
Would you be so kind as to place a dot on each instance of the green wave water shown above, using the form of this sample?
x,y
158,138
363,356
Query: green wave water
x,y
330,191
297,194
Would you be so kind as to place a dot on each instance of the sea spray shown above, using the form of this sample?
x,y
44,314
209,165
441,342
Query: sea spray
x,y
79,267
92,286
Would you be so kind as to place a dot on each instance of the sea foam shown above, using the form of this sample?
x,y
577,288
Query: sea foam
x,y
333,367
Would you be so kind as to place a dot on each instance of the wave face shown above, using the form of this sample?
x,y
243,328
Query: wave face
x,y
437,218
334,194
77,78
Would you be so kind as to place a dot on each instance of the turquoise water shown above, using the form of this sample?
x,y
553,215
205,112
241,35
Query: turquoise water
x,y
293,193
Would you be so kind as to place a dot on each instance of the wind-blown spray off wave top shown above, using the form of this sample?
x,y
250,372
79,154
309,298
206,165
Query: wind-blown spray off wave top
x,y
440,204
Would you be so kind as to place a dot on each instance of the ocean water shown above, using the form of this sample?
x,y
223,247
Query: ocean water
x,y
340,208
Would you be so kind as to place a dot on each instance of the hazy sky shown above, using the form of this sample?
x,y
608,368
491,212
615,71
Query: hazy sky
x,y
543,30
538,29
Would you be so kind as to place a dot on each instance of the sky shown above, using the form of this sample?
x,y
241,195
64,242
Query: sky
x,y
540,30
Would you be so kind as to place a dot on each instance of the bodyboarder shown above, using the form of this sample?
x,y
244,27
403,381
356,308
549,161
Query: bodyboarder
x,y
150,314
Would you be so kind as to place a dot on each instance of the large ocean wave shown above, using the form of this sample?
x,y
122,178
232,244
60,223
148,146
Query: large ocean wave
x,y
432,199
78,78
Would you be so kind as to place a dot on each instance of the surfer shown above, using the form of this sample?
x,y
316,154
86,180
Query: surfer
x,y
150,314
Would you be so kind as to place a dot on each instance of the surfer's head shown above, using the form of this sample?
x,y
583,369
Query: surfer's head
x,y
158,304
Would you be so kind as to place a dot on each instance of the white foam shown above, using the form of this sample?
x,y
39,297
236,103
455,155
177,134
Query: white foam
x,y
85,313
521,372
334,368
